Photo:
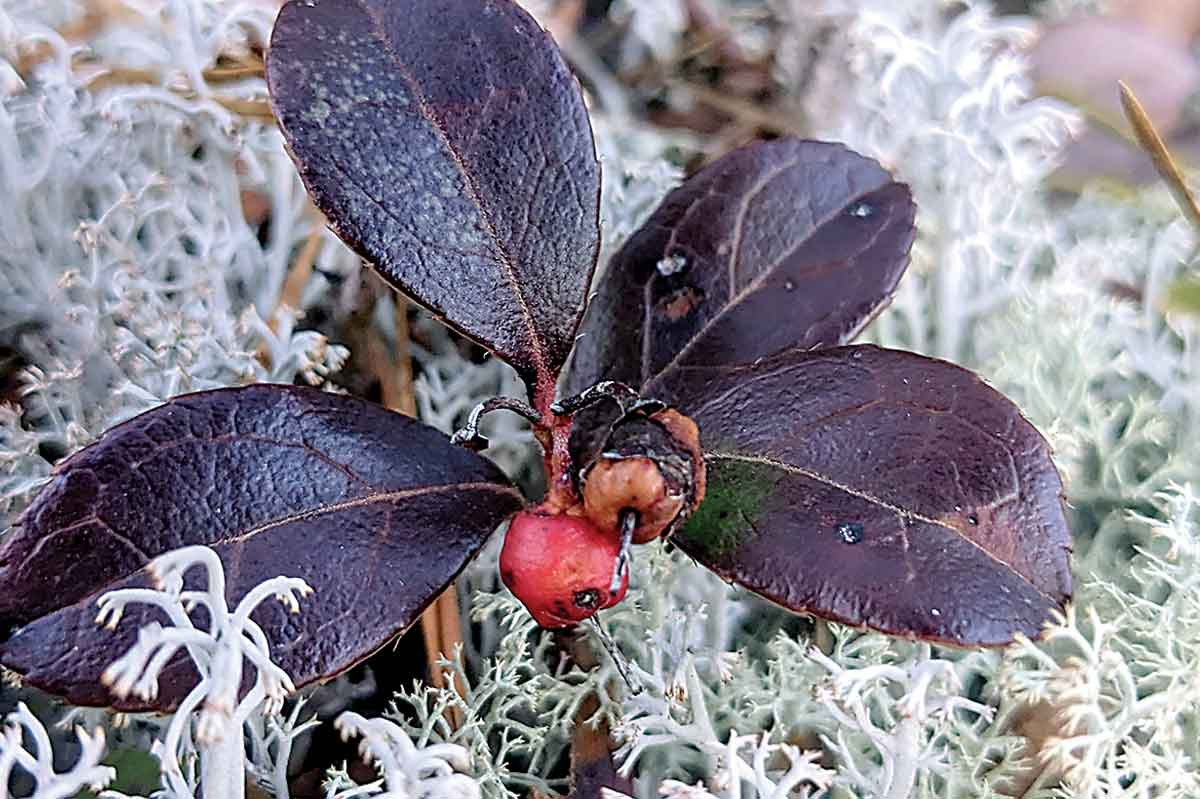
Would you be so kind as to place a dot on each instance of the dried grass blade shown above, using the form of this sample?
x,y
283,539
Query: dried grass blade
x,y
1153,144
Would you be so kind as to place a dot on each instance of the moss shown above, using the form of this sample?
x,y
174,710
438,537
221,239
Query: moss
x,y
732,503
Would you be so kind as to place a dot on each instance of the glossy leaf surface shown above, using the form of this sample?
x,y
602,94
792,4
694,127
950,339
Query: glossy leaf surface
x,y
877,487
374,510
448,144
780,244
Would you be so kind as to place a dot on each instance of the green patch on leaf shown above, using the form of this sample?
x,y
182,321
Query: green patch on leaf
x,y
733,502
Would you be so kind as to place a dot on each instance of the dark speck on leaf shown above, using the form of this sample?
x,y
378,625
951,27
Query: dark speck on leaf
x,y
680,303
973,520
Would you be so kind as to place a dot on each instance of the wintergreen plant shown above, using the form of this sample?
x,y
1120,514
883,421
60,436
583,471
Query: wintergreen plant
x,y
132,268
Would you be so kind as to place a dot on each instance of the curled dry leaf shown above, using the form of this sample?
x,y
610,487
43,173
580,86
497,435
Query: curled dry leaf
x,y
448,144
1082,59
375,511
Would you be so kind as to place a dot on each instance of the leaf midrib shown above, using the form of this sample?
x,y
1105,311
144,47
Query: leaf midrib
x,y
506,260
364,501
875,500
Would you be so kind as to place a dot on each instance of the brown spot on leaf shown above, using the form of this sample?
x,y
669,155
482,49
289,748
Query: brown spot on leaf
x,y
679,304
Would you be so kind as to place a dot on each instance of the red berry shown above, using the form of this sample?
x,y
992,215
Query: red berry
x,y
560,567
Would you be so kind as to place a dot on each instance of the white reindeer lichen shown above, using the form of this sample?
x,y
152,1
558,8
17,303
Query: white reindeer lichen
x,y
38,764
217,653
430,772
1119,681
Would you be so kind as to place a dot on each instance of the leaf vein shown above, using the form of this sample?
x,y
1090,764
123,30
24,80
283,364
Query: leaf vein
x,y
904,513
744,209
363,501
757,283
505,259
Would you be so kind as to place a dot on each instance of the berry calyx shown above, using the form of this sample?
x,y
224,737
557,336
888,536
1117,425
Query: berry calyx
x,y
617,484
560,566
651,465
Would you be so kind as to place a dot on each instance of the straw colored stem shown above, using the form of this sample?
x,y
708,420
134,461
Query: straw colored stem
x,y
1153,144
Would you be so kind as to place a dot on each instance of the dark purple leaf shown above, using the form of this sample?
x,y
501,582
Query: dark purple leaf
x,y
375,511
779,244
877,487
449,145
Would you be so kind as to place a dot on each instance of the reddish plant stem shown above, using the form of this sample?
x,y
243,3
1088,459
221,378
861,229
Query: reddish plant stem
x,y
553,432
592,766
